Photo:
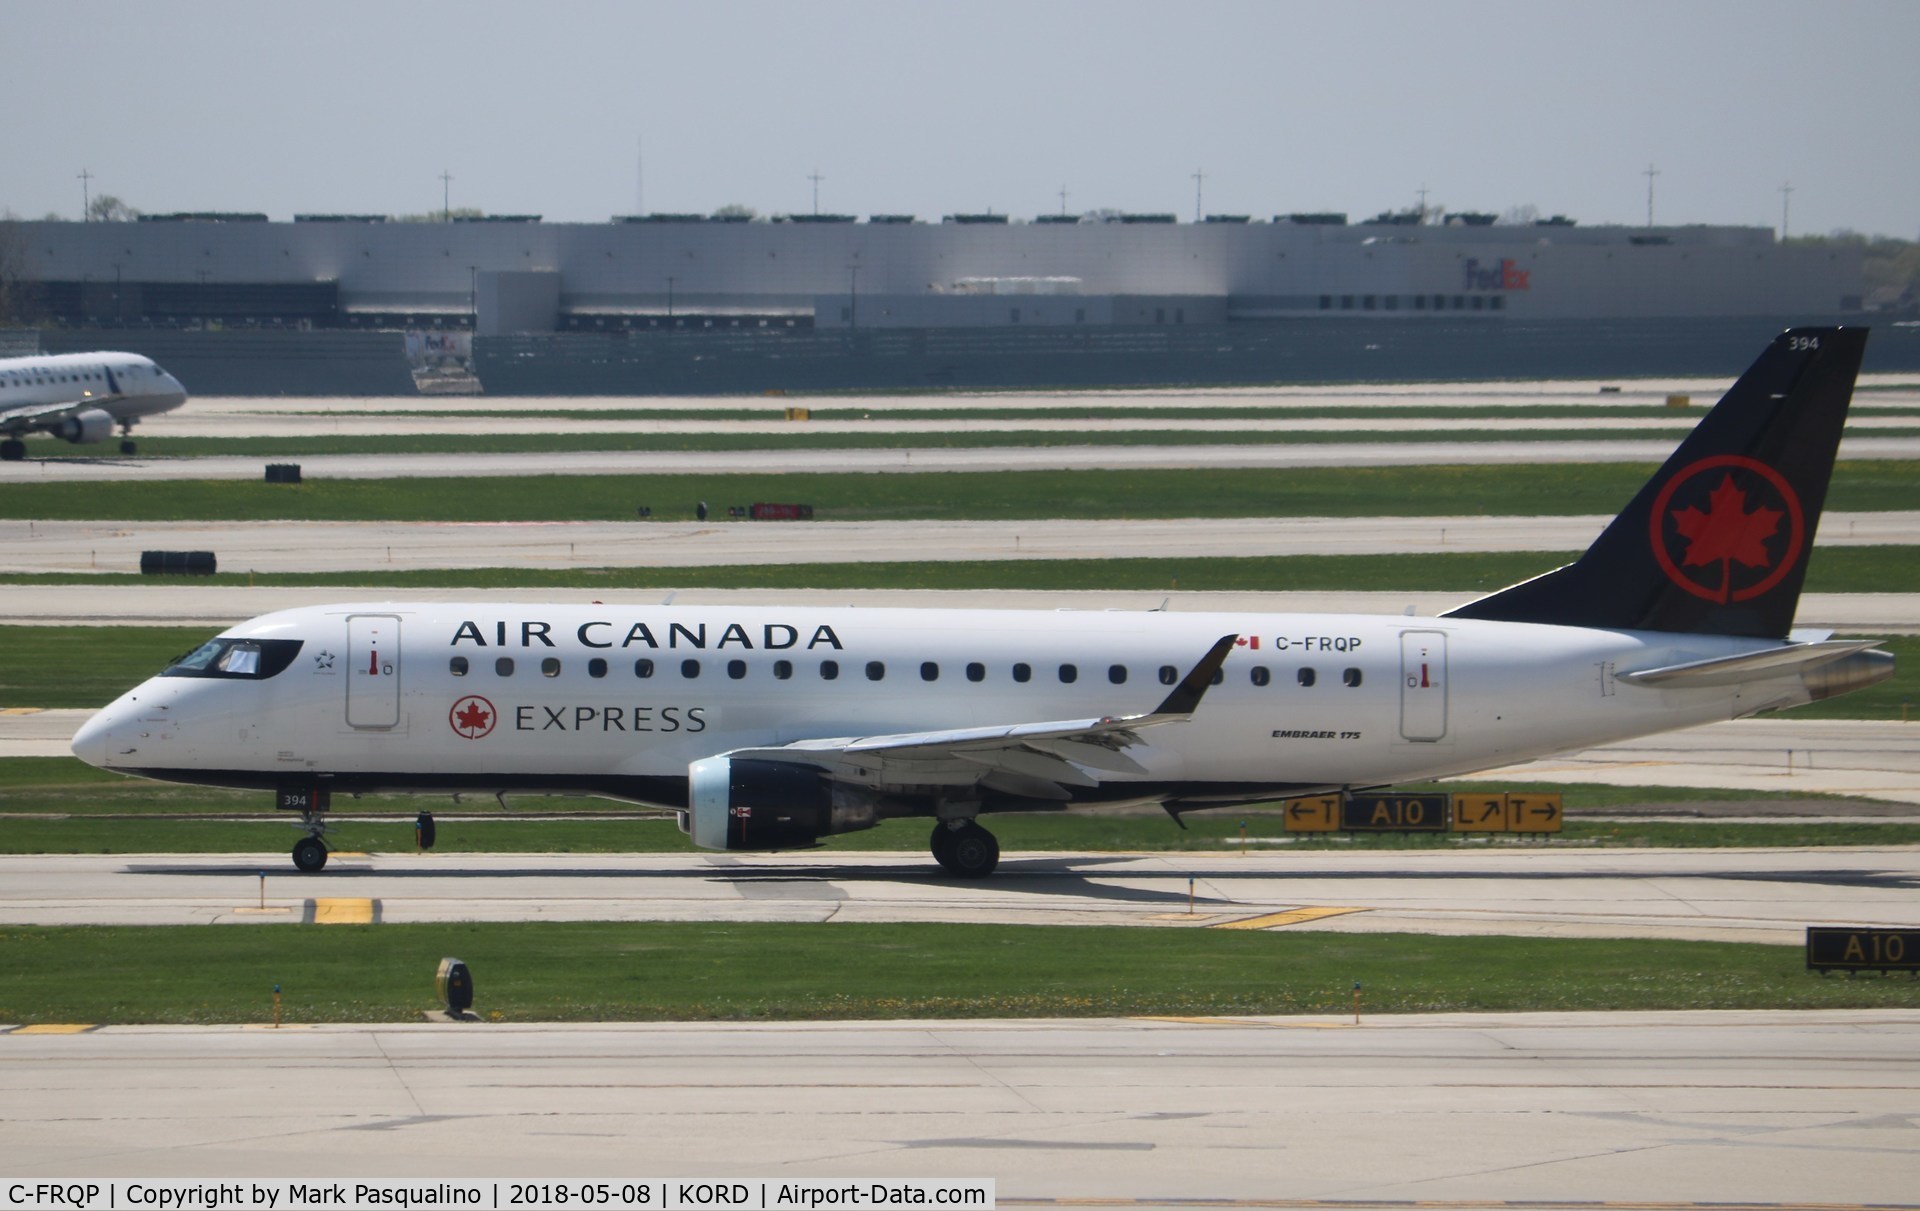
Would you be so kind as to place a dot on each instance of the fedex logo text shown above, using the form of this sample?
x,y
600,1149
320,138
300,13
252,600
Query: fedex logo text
x,y
1502,276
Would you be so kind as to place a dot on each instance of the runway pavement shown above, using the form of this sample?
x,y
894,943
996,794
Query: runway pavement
x,y
888,461
1649,1110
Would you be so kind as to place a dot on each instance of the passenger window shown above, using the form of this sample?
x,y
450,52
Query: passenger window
x,y
829,670
1117,674
1260,675
1168,674
596,667
1022,673
690,668
643,667
782,670
976,671
736,669
876,670
1352,678
929,671
503,666
1305,677
550,667
1068,674
457,666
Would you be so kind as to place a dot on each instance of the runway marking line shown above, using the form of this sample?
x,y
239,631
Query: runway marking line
x,y
20,710
1294,916
342,912
1242,1022
56,1028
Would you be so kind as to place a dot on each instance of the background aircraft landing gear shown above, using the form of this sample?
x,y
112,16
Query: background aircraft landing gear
x,y
12,450
128,446
310,854
968,851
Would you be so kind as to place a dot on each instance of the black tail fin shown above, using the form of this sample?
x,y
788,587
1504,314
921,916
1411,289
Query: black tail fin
x,y
1717,542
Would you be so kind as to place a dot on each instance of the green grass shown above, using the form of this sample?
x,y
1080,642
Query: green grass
x,y
1888,569
711,971
1216,492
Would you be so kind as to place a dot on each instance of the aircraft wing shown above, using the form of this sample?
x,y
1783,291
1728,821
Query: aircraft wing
x,y
29,417
1031,760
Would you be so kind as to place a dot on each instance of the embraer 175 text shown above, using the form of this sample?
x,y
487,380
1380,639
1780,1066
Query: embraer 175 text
x,y
770,728
80,398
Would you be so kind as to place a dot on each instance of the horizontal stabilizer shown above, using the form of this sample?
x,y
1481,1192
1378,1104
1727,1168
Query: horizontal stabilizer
x,y
1748,666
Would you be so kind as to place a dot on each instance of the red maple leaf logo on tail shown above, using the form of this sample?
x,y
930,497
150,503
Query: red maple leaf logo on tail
x,y
1727,533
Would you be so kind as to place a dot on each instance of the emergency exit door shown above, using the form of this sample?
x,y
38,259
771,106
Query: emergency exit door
x,y
373,670
1423,685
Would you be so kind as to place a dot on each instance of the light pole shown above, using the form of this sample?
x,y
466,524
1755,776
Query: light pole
x,y
1786,195
446,195
853,296
669,300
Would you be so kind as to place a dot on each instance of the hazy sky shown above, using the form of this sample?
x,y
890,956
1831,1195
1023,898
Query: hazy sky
x,y
931,108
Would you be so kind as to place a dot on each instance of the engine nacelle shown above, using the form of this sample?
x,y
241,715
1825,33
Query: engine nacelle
x,y
85,428
754,804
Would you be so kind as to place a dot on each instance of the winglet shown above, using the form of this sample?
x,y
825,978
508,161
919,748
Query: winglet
x,y
1185,698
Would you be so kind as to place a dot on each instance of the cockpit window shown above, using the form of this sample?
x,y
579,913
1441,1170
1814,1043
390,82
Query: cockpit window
x,y
241,659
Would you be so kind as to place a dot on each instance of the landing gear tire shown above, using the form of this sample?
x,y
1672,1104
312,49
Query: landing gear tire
x,y
971,852
129,446
309,854
12,450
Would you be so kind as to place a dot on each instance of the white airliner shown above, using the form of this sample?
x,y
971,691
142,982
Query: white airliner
x,y
80,397
768,728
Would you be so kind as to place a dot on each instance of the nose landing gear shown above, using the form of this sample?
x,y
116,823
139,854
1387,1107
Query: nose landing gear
x,y
310,853
968,850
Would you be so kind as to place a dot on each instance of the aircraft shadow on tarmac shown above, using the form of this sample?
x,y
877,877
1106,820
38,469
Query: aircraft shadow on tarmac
x,y
1080,877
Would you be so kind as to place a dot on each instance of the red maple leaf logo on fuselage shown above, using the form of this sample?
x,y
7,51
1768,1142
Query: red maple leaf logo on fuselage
x,y
472,717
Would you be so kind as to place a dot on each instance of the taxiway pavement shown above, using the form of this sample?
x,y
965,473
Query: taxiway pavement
x,y
1745,895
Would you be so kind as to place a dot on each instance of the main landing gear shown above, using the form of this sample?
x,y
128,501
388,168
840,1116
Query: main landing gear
x,y
12,450
965,849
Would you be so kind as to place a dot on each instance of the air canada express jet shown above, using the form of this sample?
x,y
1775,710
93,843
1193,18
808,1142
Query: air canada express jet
x,y
770,728
80,397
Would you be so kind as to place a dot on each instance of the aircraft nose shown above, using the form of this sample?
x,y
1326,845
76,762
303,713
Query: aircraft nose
x,y
90,742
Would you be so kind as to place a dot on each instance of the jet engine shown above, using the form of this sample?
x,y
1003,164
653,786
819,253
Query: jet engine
x,y
84,428
748,803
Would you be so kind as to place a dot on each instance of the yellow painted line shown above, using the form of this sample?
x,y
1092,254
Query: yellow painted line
x,y
20,710
346,853
1292,917
58,1028
343,912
